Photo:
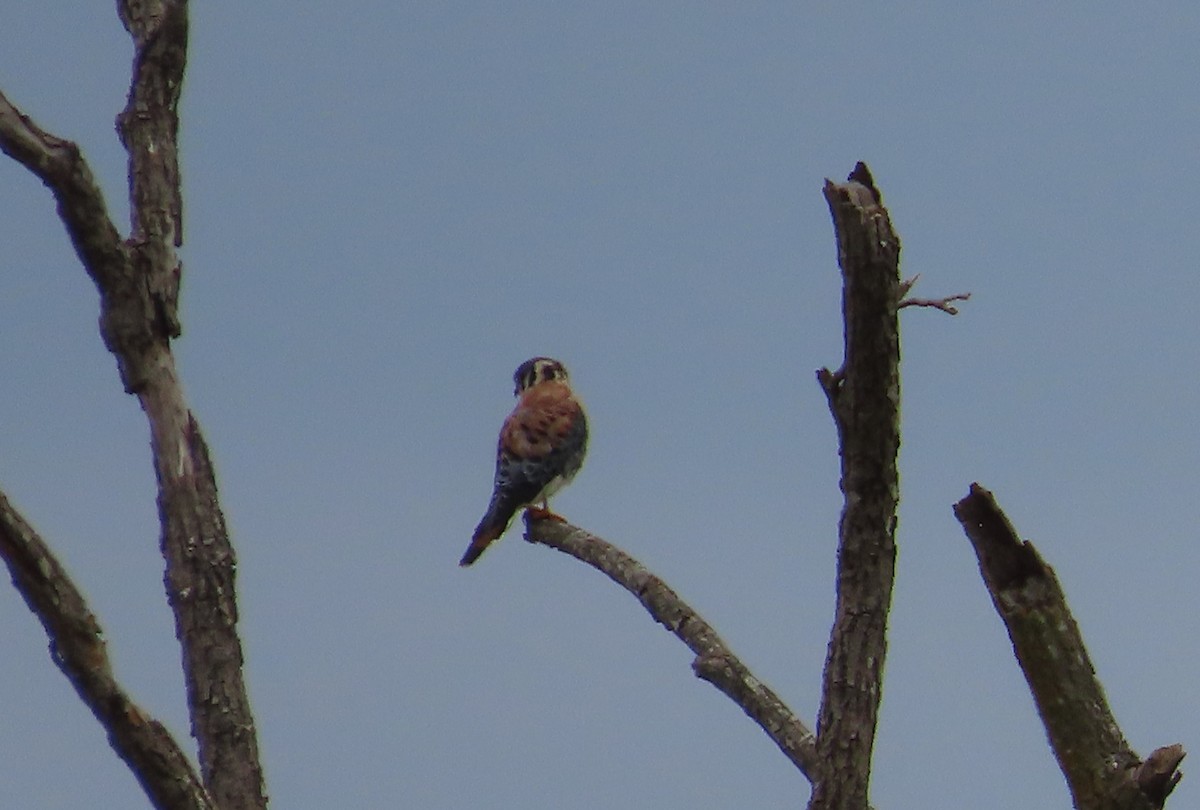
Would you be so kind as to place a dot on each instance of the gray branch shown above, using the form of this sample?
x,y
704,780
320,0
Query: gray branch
x,y
714,661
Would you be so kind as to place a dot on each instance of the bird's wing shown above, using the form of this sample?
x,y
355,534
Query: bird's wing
x,y
537,443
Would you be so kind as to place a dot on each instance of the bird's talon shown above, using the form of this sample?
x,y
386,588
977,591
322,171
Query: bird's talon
x,y
538,513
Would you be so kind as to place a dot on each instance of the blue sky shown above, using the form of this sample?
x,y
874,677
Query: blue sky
x,y
388,208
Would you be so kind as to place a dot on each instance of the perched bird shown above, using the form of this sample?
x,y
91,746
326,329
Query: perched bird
x,y
542,444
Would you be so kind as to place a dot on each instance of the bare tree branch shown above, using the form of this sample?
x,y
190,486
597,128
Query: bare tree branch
x,y
1103,772
714,661
77,647
59,164
138,282
864,398
944,304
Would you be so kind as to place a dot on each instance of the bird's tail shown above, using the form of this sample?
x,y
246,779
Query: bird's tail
x,y
492,526
482,539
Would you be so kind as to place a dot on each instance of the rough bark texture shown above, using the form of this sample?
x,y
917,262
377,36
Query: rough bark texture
x,y
77,647
864,398
714,661
1103,772
138,281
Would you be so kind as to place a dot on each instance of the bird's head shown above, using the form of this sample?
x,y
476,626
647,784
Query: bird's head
x,y
538,370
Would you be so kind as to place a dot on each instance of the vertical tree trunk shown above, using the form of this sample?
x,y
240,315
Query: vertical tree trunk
x,y
864,398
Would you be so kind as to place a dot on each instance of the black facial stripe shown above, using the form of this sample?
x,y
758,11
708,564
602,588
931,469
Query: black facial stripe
x,y
536,370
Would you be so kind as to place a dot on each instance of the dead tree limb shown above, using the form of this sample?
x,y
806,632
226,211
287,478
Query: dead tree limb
x,y
1101,769
945,304
77,647
864,398
138,281
714,661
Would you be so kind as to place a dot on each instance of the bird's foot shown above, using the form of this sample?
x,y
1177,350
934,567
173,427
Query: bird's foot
x,y
542,513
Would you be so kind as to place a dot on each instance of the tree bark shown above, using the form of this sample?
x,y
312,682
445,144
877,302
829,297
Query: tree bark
x,y
138,281
864,398
1102,770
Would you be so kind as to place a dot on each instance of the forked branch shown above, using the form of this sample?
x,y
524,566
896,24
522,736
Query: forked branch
x,y
138,281
945,304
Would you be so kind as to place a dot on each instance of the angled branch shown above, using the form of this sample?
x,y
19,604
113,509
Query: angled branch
x,y
714,661
1099,765
77,647
60,166
864,398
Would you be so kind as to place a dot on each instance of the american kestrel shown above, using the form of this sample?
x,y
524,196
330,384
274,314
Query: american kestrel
x,y
542,444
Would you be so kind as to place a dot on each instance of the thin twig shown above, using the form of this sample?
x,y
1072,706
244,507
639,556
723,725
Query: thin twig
x,y
937,303
944,304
